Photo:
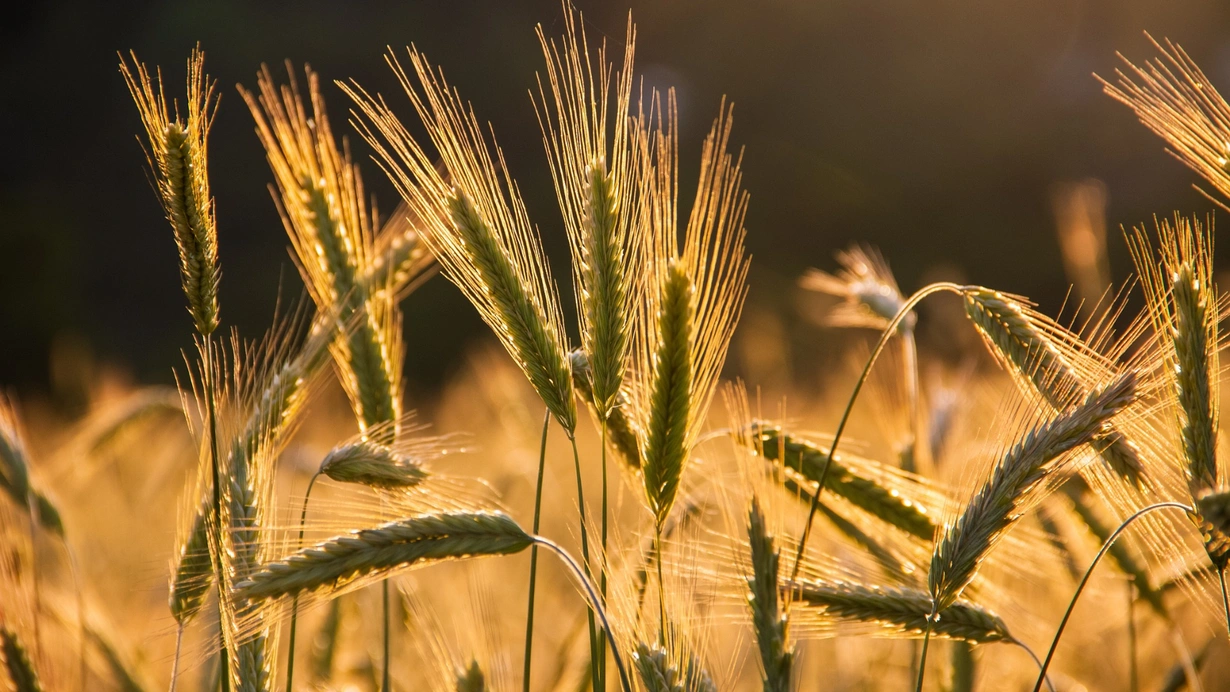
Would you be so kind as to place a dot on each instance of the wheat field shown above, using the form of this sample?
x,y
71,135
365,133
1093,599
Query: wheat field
x,y
590,504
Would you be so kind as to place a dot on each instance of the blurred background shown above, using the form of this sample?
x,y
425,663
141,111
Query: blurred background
x,y
947,133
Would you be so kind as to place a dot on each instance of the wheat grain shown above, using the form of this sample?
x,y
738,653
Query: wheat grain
x,y
397,544
1014,484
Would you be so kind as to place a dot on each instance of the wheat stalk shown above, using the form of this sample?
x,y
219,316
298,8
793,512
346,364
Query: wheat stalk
x,y
177,157
899,611
1014,484
378,551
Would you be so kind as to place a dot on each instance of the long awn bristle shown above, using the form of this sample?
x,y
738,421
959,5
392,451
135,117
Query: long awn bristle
x,y
397,544
1014,483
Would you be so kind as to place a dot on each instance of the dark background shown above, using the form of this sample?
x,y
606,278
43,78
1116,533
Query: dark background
x,y
935,130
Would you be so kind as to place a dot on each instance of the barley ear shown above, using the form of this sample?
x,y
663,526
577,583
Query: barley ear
x,y
17,663
471,679
15,473
665,446
769,618
337,562
1027,346
192,572
372,464
1016,483
177,156
898,611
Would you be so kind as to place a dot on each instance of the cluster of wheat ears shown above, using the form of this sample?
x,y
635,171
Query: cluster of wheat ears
x,y
718,573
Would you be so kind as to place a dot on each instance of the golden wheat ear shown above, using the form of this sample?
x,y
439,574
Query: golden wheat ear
x,y
594,155
1172,97
321,199
177,157
475,223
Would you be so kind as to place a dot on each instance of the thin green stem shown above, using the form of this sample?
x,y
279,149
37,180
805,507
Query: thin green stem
x,y
1225,597
603,566
294,607
593,632
845,416
1131,623
1034,657
219,572
179,641
657,543
384,686
595,606
1089,572
922,657
529,618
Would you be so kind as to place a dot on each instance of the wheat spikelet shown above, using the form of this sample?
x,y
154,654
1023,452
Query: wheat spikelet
x,y
1173,98
17,663
693,301
476,225
378,551
769,618
621,435
599,184
898,611
372,464
177,156
471,679
15,473
1015,483
871,296
330,228
1032,348
845,478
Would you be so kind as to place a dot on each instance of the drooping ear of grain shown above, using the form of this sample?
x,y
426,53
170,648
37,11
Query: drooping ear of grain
x,y
872,298
372,464
769,619
1022,344
1014,484
899,611
378,551
177,155
890,505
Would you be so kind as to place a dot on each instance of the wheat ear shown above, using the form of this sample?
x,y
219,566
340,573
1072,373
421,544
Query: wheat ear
x,y
769,618
15,473
177,159
1172,97
900,611
378,551
659,674
471,679
1014,485
374,465
17,663
1022,341
862,490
